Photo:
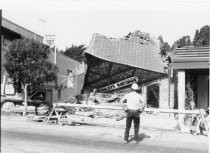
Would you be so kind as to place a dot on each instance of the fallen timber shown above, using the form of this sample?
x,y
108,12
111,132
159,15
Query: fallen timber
x,y
68,120
120,108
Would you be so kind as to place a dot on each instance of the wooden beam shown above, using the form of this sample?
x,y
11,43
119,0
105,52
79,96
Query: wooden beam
x,y
121,108
54,106
106,76
97,73
106,73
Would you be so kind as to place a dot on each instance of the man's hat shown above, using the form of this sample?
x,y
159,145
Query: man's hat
x,y
135,86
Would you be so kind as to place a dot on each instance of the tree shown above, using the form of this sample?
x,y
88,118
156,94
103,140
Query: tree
x,y
76,52
164,47
202,37
196,38
26,63
184,41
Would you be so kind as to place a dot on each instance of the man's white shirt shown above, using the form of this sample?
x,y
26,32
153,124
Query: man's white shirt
x,y
134,101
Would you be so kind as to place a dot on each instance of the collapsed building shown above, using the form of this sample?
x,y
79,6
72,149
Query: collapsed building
x,y
114,64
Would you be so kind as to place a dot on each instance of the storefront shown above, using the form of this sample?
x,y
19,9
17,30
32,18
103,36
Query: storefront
x,y
190,67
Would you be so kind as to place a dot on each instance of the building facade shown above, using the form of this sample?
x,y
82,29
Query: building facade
x,y
190,71
68,74
190,66
51,92
11,31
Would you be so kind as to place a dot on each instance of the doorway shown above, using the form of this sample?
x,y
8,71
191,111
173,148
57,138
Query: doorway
x,y
153,96
203,90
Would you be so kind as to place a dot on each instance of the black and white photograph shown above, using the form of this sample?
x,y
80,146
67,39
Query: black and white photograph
x,y
105,76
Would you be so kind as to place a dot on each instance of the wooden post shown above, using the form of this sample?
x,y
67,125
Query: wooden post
x,y
181,96
144,94
169,88
51,114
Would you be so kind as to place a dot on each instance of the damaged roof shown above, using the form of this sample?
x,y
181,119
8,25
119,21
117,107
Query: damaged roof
x,y
137,49
110,60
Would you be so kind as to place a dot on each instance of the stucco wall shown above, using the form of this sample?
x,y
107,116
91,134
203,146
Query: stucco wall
x,y
20,30
65,63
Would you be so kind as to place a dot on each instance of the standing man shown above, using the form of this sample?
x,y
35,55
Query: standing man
x,y
135,105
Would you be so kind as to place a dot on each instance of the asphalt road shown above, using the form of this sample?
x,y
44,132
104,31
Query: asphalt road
x,y
20,136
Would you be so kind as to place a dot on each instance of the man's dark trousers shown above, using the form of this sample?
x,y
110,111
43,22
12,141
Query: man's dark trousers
x,y
132,115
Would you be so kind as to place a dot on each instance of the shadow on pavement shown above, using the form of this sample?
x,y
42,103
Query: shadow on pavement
x,y
141,137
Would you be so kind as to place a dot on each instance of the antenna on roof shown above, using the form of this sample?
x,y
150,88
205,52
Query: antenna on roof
x,y
43,21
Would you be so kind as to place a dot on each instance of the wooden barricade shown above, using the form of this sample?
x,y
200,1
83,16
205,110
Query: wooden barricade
x,y
120,108
58,111
63,105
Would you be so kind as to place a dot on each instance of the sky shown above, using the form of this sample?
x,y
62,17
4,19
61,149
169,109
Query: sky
x,y
75,21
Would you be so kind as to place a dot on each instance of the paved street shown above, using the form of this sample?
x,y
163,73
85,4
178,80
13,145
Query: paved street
x,y
21,136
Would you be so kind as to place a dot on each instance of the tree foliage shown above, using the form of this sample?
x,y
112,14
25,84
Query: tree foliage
x,y
76,52
202,36
184,41
26,63
164,47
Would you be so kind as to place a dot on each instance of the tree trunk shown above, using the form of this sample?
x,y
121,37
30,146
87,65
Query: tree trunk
x,y
25,100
